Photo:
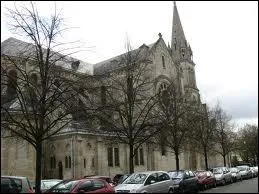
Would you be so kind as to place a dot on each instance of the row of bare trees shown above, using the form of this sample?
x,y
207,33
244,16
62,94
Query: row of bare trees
x,y
130,109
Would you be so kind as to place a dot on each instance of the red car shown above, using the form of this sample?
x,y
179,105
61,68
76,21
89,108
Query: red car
x,y
82,186
106,178
205,179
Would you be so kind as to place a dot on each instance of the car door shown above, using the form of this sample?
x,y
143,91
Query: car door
x,y
151,184
84,187
186,181
164,182
193,181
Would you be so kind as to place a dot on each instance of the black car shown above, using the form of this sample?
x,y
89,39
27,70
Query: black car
x,y
184,181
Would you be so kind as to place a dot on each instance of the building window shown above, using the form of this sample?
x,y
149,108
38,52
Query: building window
x,y
69,161
113,157
116,157
163,61
52,162
66,162
110,156
34,79
103,95
84,163
12,83
141,156
93,162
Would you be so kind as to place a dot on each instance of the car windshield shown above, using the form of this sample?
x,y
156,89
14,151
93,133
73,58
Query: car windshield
x,y
217,171
65,186
242,168
136,179
49,184
176,174
123,178
233,169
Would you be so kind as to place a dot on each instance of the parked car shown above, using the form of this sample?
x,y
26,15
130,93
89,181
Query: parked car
x,y
222,175
118,179
184,181
236,175
245,171
106,178
15,184
255,169
48,183
205,179
82,186
146,182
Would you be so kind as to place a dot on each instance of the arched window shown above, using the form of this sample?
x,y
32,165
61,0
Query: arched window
x,y
12,83
34,79
66,162
163,61
54,162
84,163
69,162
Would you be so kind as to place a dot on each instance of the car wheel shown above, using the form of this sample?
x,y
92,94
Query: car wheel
x,y
170,191
223,182
215,184
231,180
182,190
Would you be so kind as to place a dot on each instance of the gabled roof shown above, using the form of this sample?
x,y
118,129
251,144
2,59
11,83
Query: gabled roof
x,y
16,48
112,64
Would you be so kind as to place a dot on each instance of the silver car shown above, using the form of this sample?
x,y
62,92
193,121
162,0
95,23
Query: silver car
x,y
48,183
236,175
222,175
254,170
245,171
146,182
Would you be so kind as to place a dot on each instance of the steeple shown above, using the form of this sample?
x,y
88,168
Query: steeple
x,y
179,45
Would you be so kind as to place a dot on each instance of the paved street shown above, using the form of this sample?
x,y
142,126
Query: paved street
x,y
246,186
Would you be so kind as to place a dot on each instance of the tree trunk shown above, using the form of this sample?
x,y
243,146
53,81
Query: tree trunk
x,y
224,158
131,159
206,158
38,167
177,160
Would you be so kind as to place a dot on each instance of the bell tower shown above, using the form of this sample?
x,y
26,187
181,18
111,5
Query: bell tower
x,y
182,56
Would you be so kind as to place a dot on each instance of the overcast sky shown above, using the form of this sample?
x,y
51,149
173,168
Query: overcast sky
x,y
223,36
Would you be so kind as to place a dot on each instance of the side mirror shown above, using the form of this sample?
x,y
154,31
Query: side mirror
x,y
152,181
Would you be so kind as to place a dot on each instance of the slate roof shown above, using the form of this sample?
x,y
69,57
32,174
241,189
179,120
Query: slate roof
x,y
112,64
14,47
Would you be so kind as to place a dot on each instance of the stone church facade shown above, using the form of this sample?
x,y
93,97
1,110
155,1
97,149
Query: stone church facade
x,y
76,153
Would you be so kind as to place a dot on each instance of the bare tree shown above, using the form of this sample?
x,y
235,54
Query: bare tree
x,y
128,102
224,137
40,95
204,125
175,112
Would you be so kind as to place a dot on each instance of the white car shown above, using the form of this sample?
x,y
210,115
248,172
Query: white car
x,y
245,171
222,175
48,183
254,170
236,175
146,182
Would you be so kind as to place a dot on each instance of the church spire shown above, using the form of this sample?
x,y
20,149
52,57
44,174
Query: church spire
x,y
178,42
